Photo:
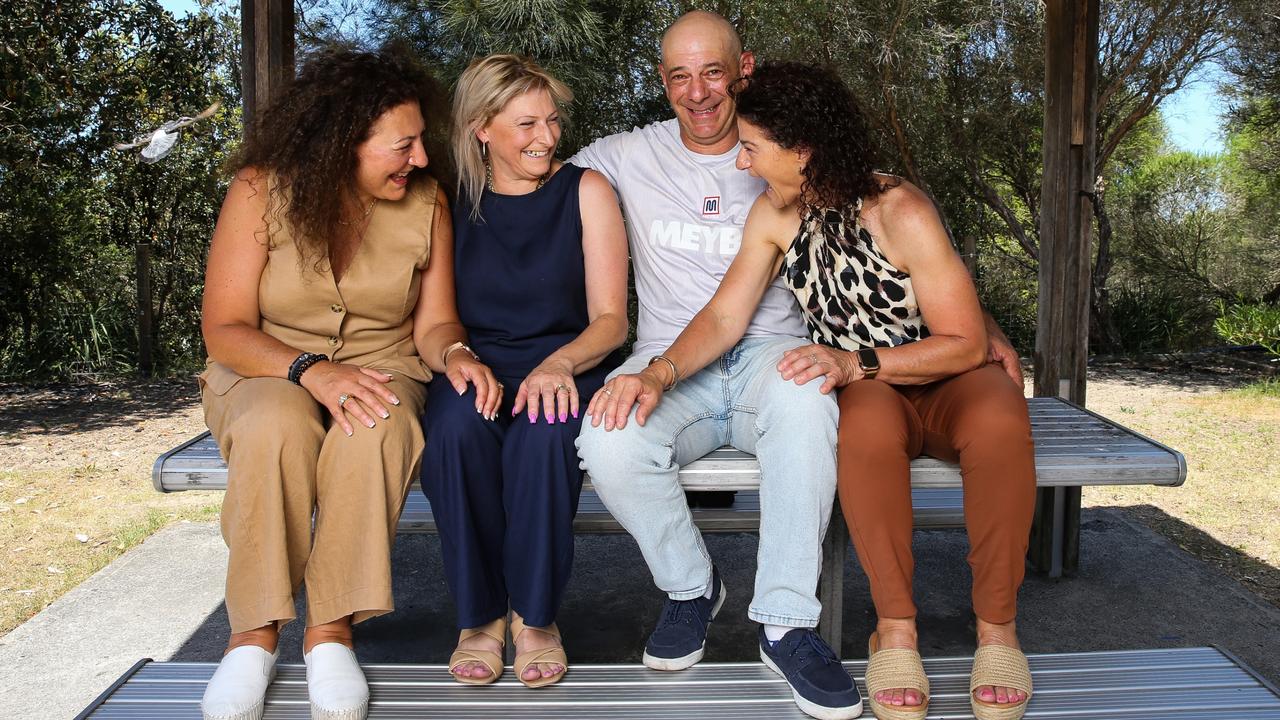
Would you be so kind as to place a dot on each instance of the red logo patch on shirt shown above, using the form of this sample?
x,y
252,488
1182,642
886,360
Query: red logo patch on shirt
x,y
711,205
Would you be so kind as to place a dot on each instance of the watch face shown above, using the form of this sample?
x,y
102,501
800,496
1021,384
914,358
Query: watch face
x,y
868,360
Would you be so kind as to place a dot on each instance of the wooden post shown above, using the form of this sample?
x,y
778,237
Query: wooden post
x,y
1066,230
266,52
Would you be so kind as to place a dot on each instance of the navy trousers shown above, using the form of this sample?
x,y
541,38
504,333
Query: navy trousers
x,y
504,494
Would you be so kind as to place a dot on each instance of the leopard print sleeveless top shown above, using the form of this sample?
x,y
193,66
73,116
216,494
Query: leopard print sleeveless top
x,y
850,294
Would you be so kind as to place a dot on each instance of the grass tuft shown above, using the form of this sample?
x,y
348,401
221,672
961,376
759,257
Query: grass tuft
x,y
1265,388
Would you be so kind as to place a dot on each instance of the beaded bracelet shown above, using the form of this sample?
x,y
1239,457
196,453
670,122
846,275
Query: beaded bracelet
x,y
301,364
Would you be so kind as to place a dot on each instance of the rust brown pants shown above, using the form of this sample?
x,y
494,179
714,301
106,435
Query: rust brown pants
x,y
287,461
979,419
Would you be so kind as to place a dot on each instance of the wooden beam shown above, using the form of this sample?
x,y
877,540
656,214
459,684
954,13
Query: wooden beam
x,y
266,52
1066,234
1066,222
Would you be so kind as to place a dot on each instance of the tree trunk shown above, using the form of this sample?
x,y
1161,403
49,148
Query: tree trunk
x,y
1105,336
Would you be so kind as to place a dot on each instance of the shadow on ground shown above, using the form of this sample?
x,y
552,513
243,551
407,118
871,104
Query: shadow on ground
x,y
1254,573
1134,590
58,409
1204,370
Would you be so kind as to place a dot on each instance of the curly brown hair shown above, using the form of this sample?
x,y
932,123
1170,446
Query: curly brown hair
x,y
308,137
801,106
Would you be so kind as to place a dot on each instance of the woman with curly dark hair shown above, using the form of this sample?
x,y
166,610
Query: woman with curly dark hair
x,y
328,304
897,330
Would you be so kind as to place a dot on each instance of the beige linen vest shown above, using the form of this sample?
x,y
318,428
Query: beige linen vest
x,y
365,319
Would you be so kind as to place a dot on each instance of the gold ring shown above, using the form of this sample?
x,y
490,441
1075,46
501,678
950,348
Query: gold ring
x,y
342,399
563,387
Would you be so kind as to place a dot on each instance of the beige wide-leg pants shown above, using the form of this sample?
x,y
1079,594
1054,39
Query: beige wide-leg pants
x,y
287,461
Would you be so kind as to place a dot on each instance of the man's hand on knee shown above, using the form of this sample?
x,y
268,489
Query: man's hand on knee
x,y
612,403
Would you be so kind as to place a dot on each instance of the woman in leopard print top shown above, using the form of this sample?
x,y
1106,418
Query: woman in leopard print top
x,y
897,330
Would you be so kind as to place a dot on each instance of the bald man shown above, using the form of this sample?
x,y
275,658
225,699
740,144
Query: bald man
x,y
686,205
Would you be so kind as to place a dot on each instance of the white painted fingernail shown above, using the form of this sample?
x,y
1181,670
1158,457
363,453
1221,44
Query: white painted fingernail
x,y
385,415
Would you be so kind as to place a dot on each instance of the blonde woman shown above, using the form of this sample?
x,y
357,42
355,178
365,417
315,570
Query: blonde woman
x,y
540,261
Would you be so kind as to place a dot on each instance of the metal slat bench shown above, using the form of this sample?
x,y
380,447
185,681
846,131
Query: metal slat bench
x,y
1176,684
1074,447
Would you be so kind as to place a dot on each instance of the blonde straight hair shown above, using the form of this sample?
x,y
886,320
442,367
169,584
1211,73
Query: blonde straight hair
x,y
486,87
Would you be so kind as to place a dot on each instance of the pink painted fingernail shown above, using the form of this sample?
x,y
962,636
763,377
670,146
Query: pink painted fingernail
x,y
575,414
564,417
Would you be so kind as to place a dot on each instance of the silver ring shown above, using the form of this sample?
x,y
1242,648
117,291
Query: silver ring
x,y
608,392
813,357
563,387
342,399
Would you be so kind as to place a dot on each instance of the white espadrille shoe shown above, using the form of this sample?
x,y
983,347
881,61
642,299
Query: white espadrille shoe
x,y
238,686
335,683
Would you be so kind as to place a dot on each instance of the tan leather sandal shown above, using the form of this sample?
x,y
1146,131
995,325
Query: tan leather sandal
x,y
492,660
999,666
892,668
545,656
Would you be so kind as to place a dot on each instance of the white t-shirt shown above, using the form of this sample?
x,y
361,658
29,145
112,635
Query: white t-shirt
x,y
685,213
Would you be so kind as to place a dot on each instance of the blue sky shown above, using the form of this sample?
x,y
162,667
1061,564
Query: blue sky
x,y
1194,114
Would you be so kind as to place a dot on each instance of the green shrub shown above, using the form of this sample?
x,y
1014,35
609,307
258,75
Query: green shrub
x,y
1151,317
1250,325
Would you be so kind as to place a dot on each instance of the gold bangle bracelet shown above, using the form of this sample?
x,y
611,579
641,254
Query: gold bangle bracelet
x,y
675,373
459,345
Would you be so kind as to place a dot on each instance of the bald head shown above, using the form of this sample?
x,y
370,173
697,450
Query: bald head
x,y
701,59
701,28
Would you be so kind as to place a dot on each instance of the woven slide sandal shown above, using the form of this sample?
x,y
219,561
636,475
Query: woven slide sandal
x,y
999,666
547,656
492,660
892,668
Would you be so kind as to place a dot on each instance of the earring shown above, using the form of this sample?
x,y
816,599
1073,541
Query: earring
x,y
484,150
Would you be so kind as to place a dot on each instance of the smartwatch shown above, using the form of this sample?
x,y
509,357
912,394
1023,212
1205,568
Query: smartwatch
x,y
868,363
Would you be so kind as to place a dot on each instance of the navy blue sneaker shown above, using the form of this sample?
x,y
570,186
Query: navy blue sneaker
x,y
818,681
680,639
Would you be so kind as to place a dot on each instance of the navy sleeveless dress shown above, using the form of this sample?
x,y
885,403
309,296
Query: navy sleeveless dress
x,y
504,492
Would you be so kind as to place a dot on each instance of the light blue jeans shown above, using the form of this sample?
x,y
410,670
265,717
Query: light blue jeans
x,y
739,400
